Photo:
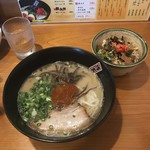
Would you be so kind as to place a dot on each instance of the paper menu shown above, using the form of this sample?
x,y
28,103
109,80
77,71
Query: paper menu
x,y
85,9
123,10
112,9
95,10
138,9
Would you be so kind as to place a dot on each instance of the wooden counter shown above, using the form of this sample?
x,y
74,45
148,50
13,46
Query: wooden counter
x,y
128,125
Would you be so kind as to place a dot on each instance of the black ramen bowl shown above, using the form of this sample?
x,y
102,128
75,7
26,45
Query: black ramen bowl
x,y
47,56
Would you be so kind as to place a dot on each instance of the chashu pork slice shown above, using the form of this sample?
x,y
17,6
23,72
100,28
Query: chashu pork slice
x,y
68,121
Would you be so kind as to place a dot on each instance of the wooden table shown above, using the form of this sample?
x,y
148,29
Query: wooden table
x,y
128,125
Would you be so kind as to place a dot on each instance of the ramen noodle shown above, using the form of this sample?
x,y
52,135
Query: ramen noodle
x,y
61,99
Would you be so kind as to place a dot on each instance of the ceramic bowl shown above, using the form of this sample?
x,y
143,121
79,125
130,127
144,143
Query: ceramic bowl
x,y
132,37
47,56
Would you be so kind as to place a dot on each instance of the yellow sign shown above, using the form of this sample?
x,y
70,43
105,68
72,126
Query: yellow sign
x,y
85,10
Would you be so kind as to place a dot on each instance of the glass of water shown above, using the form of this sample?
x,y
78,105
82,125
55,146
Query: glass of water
x,y
18,33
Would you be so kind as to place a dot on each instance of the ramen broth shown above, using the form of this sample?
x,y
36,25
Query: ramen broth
x,y
70,111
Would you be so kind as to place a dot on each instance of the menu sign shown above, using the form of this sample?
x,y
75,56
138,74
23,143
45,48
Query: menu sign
x,y
84,10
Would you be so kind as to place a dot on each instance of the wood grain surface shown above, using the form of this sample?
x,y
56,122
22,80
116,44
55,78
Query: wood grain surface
x,y
128,125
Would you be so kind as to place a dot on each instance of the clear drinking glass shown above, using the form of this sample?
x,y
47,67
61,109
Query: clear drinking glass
x,y
18,33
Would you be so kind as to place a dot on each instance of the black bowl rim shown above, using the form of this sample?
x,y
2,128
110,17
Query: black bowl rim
x,y
145,46
76,136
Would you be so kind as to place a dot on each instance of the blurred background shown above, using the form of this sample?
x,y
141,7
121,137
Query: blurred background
x,y
8,9
70,11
